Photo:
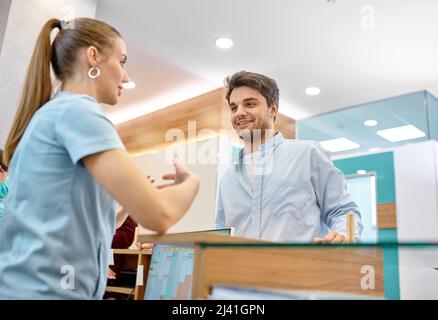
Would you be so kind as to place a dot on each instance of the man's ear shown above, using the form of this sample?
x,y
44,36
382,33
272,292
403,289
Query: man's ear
x,y
92,56
273,111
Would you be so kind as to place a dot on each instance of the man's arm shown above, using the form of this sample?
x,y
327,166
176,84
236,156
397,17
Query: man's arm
x,y
333,197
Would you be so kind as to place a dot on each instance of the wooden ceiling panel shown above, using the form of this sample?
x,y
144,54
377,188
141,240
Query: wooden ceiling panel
x,y
208,111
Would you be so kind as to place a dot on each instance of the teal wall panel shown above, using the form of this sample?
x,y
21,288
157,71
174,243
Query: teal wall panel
x,y
382,164
390,264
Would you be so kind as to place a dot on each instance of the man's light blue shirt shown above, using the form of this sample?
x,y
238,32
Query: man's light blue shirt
x,y
58,224
297,194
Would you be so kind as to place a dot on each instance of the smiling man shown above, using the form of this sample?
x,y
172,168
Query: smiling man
x,y
280,190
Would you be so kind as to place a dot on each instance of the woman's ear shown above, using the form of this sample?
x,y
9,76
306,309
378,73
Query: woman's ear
x,y
92,56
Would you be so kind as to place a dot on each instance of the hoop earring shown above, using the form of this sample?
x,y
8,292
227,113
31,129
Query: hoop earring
x,y
91,70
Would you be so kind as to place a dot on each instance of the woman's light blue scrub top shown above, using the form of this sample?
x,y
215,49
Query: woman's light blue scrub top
x,y
56,232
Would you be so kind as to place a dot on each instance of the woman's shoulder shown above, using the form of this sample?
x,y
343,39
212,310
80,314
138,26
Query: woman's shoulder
x,y
65,100
74,106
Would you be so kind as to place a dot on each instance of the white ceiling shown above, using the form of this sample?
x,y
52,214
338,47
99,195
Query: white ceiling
x,y
300,43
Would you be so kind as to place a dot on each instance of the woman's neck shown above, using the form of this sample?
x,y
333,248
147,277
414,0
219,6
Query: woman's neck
x,y
79,87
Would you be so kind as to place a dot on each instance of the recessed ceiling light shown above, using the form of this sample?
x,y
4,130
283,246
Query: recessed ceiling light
x,y
129,85
401,133
224,43
312,91
370,123
339,144
374,149
361,171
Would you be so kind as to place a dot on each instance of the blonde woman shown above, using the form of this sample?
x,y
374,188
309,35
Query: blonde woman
x,y
67,164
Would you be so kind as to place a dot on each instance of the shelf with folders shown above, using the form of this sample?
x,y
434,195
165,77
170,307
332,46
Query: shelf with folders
x,y
130,267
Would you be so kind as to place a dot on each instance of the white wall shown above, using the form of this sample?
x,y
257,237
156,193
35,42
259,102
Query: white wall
x,y
417,191
416,178
201,214
26,18
5,5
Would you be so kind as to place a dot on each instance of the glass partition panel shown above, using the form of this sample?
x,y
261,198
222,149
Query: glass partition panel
x,y
432,104
365,126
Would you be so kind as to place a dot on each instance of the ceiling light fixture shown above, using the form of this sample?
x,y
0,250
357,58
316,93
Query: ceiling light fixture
x,y
370,123
224,43
339,144
312,91
401,133
129,85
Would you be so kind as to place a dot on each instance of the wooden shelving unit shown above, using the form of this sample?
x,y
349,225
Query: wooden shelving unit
x,y
128,259
119,290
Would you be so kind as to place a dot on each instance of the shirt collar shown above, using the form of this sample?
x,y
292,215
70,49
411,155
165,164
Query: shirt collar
x,y
269,145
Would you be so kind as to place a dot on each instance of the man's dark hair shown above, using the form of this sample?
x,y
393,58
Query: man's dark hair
x,y
263,84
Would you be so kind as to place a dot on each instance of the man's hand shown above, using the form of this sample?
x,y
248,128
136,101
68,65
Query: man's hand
x,y
332,237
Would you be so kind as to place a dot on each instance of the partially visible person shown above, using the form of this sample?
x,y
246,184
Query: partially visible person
x,y
4,187
125,234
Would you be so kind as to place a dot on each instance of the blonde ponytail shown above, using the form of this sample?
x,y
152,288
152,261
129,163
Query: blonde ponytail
x,y
37,88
